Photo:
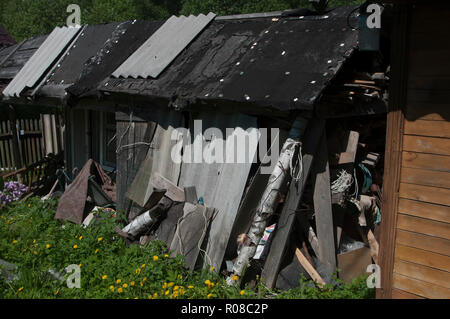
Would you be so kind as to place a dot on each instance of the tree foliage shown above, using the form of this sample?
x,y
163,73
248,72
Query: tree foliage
x,y
28,18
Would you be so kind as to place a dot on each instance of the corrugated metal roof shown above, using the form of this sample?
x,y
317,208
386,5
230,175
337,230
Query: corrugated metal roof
x,y
41,60
163,46
220,184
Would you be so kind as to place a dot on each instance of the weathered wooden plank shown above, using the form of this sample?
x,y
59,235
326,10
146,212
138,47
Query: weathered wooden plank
x,y
422,257
424,242
419,287
426,161
428,128
322,207
425,177
425,193
353,263
423,226
424,210
423,273
349,155
432,111
309,268
287,217
400,294
174,192
430,145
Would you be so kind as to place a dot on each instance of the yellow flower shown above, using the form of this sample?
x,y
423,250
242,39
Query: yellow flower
x,y
75,246
164,285
132,283
149,297
207,282
111,288
125,285
14,241
34,241
212,269
167,292
118,281
145,278
96,251
56,292
170,284
209,296
138,271
190,287
175,288
242,292
141,283
35,252
20,289
100,239
104,277
180,277
235,277
29,205
155,258
81,237
143,266
119,290
155,295
79,265
47,246
166,256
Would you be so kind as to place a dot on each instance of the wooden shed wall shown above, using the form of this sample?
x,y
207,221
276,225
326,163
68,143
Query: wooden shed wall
x,y
420,230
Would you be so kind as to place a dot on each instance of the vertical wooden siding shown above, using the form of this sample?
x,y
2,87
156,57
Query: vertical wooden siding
x,y
421,258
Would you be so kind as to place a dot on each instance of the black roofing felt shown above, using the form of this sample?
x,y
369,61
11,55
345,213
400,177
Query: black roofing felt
x,y
99,61
280,63
13,58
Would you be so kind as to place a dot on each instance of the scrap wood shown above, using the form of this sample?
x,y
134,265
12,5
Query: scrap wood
x,y
173,191
309,268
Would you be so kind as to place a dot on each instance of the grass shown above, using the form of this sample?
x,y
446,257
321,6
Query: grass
x,y
34,241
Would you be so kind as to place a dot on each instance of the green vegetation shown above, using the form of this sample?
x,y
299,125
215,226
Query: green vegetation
x,y
34,241
28,18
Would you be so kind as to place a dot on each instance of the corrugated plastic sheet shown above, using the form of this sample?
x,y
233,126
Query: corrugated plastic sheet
x,y
280,63
41,60
221,185
163,46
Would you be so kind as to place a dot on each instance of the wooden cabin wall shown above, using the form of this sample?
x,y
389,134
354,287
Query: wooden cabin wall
x,y
415,244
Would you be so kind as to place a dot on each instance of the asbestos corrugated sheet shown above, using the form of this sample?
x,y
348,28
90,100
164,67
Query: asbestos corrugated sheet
x,y
158,159
163,46
221,185
13,58
280,63
41,60
72,65
123,41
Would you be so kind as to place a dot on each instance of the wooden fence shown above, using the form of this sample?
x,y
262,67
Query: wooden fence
x,y
29,141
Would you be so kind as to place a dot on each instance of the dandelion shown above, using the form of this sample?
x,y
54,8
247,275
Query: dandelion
x,y
56,292
47,246
96,251
34,241
111,288
242,292
81,237
175,288
132,283
149,297
125,285
190,287
104,277
170,284
235,277
155,295
100,239
166,256
118,281
35,252
138,271
20,289
212,269
143,266
79,265
119,290
14,241
164,285
145,278
167,292
141,283
155,258
75,246
209,296
180,277
207,282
